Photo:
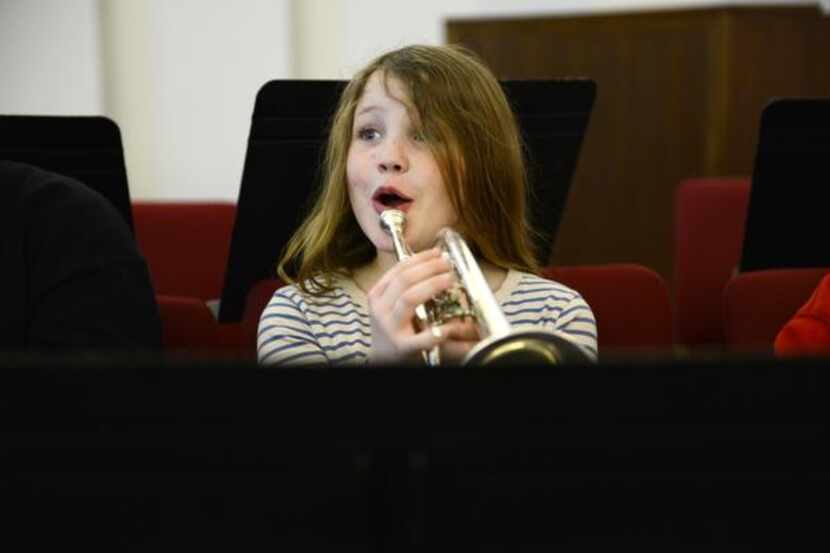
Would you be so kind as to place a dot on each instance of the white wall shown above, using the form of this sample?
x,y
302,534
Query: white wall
x,y
49,62
182,77
178,76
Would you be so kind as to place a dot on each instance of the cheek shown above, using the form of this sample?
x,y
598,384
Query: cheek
x,y
350,172
448,216
448,212
357,187
356,172
442,192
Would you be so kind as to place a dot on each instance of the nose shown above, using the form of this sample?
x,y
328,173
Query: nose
x,y
393,158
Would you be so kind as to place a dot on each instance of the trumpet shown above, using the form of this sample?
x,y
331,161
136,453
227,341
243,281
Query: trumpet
x,y
471,297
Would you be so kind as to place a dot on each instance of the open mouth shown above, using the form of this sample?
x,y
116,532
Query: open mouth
x,y
389,198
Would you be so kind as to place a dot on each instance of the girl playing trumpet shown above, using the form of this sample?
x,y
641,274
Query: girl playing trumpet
x,y
427,131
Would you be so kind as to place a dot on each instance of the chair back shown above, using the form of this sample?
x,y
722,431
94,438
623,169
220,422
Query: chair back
x,y
190,329
631,304
758,304
709,217
186,245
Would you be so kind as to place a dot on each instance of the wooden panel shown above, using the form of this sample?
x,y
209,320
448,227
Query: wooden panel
x,y
774,54
679,94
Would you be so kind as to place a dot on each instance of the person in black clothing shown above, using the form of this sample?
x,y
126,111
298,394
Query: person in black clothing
x,y
71,275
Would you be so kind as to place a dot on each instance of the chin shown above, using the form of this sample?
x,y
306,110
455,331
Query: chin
x,y
382,243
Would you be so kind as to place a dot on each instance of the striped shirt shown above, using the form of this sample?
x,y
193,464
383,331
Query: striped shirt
x,y
297,328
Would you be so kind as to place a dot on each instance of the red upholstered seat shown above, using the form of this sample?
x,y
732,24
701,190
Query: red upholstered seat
x,y
758,304
187,324
631,304
710,214
189,327
258,297
186,245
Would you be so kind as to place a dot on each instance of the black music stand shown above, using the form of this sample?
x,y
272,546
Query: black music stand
x,y
724,454
786,224
289,128
285,146
86,148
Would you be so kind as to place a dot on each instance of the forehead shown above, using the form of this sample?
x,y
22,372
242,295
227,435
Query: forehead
x,y
381,89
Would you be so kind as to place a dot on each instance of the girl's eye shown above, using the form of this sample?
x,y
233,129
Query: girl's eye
x,y
368,133
419,137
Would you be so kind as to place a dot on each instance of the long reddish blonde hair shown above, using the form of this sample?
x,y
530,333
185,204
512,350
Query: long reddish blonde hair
x,y
473,134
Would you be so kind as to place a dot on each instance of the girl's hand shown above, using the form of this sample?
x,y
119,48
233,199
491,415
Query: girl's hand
x,y
392,303
459,338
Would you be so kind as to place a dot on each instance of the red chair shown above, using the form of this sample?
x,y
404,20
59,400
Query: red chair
x,y
189,328
709,219
186,245
187,324
258,297
631,304
758,304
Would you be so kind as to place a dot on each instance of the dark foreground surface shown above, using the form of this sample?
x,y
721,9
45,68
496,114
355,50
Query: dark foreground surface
x,y
143,455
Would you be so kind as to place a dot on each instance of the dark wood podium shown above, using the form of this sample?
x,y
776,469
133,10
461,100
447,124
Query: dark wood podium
x,y
679,94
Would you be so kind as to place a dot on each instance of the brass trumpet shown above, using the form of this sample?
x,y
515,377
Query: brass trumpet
x,y
472,297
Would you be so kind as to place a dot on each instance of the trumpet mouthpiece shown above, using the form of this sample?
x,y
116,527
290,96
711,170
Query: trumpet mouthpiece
x,y
391,219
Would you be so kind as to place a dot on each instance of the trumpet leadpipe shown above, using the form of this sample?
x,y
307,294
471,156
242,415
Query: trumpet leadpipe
x,y
393,222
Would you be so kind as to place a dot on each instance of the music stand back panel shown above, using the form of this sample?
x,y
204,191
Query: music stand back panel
x,y
786,224
86,148
727,452
289,129
553,117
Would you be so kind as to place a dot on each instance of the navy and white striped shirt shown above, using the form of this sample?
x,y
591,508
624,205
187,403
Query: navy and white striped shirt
x,y
297,328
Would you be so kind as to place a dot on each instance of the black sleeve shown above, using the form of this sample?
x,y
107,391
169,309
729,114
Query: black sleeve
x,y
89,285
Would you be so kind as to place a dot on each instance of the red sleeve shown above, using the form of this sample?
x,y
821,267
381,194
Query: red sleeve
x,y
808,332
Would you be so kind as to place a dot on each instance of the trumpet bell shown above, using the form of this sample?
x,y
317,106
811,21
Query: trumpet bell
x,y
526,347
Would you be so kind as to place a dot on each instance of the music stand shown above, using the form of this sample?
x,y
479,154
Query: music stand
x,y
786,222
289,129
86,148
200,453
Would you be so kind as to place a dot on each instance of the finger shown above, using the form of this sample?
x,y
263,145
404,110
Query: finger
x,y
413,287
379,296
454,352
461,330
415,259
417,294
462,336
425,339
381,285
414,274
